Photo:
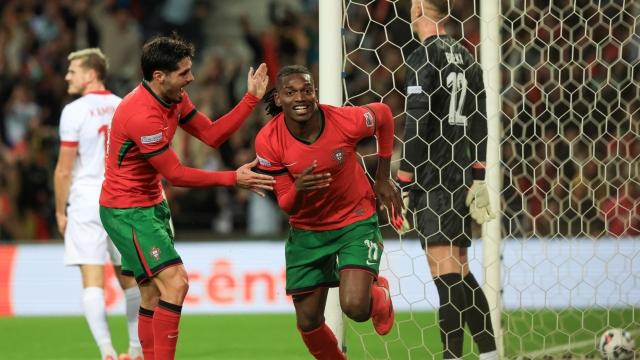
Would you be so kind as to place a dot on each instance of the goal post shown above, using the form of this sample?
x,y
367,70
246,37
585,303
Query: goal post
x,y
330,92
490,40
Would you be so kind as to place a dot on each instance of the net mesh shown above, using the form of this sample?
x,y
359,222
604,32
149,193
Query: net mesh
x,y
569,152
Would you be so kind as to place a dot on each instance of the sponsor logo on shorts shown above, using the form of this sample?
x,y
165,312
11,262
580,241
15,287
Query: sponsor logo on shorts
x,y
151,138
414,90
155,252
368,119
262,161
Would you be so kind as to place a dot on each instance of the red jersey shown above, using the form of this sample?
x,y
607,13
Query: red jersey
x,y
350,197
142,126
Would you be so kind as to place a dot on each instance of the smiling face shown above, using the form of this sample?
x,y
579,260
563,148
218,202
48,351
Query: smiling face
x,y
173,84
297,97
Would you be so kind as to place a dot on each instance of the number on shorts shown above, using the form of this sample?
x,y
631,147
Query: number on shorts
x,y
373,250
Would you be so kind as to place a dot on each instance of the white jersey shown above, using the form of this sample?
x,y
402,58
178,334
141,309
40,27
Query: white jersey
x,y
85,123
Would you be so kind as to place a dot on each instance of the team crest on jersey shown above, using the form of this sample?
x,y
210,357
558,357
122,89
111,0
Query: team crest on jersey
x,y
368,119
338,155
155,252
179,114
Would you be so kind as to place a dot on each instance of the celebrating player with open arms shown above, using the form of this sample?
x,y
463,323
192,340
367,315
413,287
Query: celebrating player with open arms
x,y
310,149
139,154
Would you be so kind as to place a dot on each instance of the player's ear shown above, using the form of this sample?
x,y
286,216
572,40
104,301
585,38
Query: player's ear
x,y
276,99
159,76
317,95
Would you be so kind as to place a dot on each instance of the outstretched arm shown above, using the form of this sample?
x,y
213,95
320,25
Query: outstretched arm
x,y
214,133
169,167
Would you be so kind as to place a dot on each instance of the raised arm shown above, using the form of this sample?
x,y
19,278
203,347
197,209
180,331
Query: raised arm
x,y
214,133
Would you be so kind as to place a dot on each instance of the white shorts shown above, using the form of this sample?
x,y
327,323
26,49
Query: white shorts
x,y
85,240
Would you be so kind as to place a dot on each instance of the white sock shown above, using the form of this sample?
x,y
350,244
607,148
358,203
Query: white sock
x,y
108,350
135,352
491,355
95,311
132,296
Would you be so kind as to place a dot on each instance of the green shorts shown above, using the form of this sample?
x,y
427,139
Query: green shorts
x,y
315,258
144,238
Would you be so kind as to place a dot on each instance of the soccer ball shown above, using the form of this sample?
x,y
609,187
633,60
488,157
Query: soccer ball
x,y
616,344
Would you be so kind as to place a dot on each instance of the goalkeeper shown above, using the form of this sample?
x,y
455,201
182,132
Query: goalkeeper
x,y
442,171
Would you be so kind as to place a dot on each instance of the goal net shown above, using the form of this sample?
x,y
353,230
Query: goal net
x,y
568,138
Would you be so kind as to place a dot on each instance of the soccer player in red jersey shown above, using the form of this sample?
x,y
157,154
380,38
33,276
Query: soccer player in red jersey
x,y
139,154
310,149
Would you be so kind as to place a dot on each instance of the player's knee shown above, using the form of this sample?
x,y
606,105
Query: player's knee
x,y
308,323
356,309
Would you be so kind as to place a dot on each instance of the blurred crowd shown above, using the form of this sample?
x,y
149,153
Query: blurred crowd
x,y
570,119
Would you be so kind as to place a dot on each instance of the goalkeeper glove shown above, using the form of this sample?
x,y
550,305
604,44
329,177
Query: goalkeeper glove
x,y
400,223
478,199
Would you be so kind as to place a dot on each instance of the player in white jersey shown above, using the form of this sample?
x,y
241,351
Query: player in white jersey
x,y
77,181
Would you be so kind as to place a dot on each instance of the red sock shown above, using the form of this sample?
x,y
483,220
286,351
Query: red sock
x,y
377,300
322,343
165,330
145,332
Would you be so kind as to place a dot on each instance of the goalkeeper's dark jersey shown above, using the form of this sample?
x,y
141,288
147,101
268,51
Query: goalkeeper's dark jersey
x,y
446,125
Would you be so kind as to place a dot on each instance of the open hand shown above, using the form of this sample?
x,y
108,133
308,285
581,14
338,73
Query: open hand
x,y
388,195
307,181
247,179
257,83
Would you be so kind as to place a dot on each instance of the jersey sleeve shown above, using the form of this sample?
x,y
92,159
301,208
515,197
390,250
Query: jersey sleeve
x,y
147,132
269,162
358,122
70,124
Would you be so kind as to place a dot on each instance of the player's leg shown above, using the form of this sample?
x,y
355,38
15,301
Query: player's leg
x,y
361,298
445,267
173,285
132,311
311,270
86,246
477,313
144,238
443,230
95,310
316,335
132,304
150,295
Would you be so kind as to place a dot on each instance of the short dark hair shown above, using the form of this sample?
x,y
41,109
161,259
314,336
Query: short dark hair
x,y
272,108
163,54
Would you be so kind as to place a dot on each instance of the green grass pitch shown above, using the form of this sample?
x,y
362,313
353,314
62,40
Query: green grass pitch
x,y
232,337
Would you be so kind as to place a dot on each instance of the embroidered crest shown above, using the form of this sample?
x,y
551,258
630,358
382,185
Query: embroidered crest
x,y
338,155
368,119
155,252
